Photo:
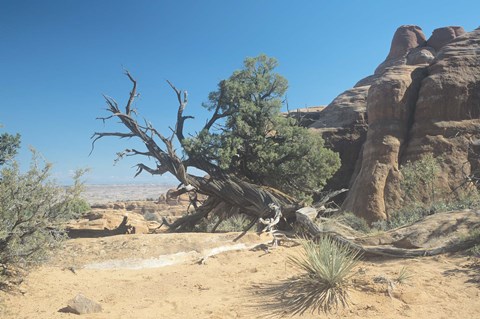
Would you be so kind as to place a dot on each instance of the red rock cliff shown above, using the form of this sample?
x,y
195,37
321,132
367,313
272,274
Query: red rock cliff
x,y
424,98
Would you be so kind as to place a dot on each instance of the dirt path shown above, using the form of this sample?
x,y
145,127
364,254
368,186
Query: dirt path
x,y
230,285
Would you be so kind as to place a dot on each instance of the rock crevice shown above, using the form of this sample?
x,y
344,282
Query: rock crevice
x,y
424,98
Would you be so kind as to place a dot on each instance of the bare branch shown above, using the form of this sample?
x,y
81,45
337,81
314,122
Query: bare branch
x,y
181,107
133,152
133,93
105,118
112,104
96,136
160,170
216,114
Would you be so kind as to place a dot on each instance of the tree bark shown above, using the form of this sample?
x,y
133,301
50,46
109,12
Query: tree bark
x,y
221,188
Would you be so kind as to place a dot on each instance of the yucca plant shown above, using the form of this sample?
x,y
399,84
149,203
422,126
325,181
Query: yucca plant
x,y
403,276
328,266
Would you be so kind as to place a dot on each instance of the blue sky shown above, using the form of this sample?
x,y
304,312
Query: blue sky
x,y
58,57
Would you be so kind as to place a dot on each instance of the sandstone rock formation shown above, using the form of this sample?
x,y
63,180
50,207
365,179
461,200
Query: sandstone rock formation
x,y
142,217
433,231
424,98
101,223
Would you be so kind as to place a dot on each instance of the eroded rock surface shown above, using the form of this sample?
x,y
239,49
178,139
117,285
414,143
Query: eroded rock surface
x,y
424,98
431,232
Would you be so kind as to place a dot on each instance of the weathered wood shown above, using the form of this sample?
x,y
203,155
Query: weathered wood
x,y
393,252
236,194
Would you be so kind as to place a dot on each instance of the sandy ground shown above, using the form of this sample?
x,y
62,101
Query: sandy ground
x,y
115,272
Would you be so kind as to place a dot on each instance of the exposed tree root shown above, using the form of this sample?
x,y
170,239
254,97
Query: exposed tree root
x,y
393,252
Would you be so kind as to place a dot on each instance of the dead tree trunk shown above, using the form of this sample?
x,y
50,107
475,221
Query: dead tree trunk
x,y
223,189
227,192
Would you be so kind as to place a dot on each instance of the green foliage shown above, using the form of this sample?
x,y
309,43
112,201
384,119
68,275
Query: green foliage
x,y
475,250
421,196
418,186
474,237
234,223
9,145
403,276
327,266
256,141
419,179
405,216
32,212
78,206
354,222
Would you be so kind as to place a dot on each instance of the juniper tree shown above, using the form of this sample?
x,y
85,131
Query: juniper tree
x,y
254,155
256,141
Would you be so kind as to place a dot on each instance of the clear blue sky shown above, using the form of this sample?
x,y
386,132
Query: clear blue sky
x,y
58,57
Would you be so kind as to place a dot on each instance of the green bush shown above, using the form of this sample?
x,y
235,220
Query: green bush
x,y
33,210
235,223
475,250
419,179
327,267
9,145
422,198
474,237
355,222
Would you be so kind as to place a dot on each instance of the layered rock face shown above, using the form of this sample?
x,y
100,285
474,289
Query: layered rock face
x,y
424,98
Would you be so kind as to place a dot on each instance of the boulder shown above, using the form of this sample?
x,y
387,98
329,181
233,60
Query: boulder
x,y
405,39
442,36
100,223
82,305
433,231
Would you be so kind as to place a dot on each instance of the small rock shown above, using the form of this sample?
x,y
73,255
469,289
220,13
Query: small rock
x,y
119,205
82,305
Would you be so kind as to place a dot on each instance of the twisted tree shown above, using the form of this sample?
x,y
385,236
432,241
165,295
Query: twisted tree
x,y
255,158
258,162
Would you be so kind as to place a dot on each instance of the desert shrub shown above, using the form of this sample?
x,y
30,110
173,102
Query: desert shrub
x,y
475,250
33,210
235,223
355,222
422,197
474,237
151,216
327,267
79,206
402,217
9,145
419,178
403,276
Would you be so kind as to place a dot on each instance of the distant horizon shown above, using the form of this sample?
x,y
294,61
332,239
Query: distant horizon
x,y
62,55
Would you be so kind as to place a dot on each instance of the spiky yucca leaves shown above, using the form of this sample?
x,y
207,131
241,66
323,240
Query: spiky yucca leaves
x,y
327,266
403,276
